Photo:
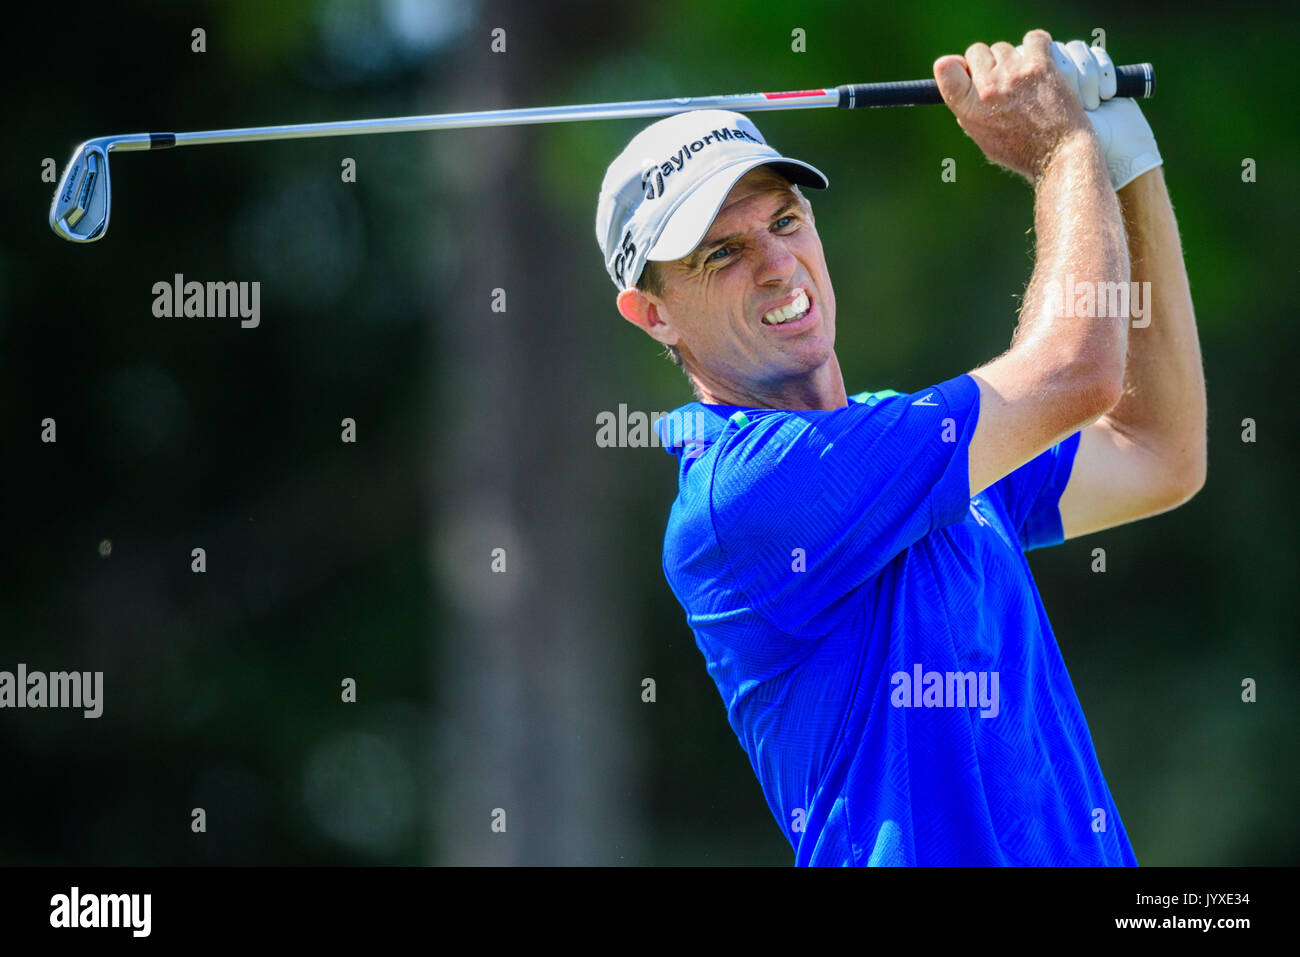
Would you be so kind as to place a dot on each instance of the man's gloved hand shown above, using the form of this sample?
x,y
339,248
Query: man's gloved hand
x,y
1125,136
1126,140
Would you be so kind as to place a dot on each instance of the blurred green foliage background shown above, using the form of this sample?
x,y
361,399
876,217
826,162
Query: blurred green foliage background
x,y
522,691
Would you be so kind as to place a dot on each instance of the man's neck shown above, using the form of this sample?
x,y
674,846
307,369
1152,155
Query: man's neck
x,y
821,389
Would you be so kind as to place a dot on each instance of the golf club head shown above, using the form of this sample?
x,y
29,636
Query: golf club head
x,y
79,212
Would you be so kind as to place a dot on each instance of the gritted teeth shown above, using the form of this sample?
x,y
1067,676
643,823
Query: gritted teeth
x,y
793,310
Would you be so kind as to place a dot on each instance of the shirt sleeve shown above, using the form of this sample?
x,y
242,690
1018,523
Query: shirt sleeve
x,y
807,506
1032,494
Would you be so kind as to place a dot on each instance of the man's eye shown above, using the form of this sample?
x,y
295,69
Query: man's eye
x,y
782,220
714,257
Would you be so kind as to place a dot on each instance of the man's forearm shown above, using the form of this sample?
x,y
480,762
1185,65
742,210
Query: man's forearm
x,y
1079,237
1163,404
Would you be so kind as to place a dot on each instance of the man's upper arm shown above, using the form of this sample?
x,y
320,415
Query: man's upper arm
x,y
1024,412
1116,479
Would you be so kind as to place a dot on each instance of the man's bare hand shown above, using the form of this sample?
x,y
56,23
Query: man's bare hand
x,y
1015,105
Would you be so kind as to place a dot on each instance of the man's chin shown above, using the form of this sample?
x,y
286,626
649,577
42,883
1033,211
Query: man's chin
x,y
805,357
801,363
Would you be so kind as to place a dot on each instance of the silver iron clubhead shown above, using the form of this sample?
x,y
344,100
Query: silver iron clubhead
x,y
81,205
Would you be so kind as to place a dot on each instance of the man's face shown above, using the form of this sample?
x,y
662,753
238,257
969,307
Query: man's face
x,y
760,252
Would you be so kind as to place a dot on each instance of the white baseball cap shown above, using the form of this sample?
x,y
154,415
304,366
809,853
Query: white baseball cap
x,y
660,195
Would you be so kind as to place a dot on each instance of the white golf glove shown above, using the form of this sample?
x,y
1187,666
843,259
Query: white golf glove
x,y
1125,136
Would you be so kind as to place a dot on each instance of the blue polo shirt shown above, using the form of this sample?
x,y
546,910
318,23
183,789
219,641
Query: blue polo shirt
x,y
876,636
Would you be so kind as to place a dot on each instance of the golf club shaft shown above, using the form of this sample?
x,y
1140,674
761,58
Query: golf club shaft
x,y
83,201
1136,81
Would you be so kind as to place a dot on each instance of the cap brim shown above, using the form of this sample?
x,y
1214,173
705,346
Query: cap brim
x,y
691,221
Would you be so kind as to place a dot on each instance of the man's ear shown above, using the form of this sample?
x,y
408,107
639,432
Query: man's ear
x,y
644,312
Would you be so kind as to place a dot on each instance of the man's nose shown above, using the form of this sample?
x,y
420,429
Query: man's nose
x,y
775,260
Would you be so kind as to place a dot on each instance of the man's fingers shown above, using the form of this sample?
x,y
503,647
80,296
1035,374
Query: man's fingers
x,y
950,72
1036,44
1106,67
1089,75
980,59
1065,65
1002,52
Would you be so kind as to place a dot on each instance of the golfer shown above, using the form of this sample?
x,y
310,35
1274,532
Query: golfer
x,y
853,566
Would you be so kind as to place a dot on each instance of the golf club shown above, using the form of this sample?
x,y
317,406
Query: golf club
x,y
80,210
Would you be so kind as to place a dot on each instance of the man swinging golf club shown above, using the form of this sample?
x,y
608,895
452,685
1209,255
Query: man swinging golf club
x,y
853,566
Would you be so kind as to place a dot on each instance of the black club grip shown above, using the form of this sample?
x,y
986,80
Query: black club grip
x,y
1137,80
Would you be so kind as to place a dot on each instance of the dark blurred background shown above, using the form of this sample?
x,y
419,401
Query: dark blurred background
x,y
476,431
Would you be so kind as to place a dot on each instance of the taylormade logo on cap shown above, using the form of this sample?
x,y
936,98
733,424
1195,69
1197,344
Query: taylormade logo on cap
x,y
661,194
652,178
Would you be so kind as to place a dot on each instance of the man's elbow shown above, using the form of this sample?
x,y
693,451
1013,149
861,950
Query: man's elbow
x,y
1096,392
1186,476
1195,479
